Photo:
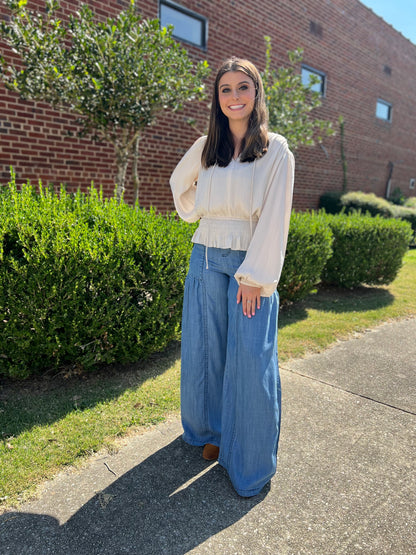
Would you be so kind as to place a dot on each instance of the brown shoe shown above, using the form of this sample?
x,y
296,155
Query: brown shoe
x,y
210,452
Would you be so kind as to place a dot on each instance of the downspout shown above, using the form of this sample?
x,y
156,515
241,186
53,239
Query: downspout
x,y
390,165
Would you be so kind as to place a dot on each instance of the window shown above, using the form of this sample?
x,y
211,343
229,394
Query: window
x,y
383,110
308,73
187,25
412,183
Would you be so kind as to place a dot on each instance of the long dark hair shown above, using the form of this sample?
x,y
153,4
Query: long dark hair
x,y
219,147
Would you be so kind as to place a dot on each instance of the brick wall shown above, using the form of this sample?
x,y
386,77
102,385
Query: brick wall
x,y
363,58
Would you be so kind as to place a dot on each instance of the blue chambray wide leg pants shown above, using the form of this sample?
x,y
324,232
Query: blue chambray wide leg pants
x,y
230,383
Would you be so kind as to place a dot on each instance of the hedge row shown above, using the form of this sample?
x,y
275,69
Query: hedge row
x,y
86,281
335,201
344,250
410,202
366,250
309,247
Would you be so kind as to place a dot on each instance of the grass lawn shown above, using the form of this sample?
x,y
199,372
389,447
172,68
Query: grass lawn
x,y
49,423
333,313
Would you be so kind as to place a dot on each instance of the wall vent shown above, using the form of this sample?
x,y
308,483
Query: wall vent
x,y
315,28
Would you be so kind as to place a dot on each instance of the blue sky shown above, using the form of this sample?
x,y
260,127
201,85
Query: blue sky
x,y
399,13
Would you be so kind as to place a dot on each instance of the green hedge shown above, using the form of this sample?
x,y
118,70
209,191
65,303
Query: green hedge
x,y
410,202
308,249
406,213
366,250
85,281
330,201
335,202
367,202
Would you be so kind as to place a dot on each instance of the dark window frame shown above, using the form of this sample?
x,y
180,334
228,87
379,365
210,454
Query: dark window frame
x,y
185,11
318,73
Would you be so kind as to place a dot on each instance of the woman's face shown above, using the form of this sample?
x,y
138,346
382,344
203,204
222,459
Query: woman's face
x,y
236,94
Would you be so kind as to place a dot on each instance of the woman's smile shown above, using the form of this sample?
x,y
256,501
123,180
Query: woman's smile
x,y
236,107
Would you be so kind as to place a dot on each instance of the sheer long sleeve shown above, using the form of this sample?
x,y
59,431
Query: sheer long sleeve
x,y
263,263
183,181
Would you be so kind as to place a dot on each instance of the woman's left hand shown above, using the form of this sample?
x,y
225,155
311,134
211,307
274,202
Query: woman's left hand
x,y
250,299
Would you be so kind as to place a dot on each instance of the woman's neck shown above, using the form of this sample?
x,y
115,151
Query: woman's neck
x,y
238,131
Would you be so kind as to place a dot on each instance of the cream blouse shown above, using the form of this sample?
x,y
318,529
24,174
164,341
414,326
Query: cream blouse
x,y
244,206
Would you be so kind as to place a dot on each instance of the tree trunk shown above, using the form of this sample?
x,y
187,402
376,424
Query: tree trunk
x,y
135,175
122,158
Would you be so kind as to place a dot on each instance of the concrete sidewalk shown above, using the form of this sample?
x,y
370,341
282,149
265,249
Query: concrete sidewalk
x,y
345,482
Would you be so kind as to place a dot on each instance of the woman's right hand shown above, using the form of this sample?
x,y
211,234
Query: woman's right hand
x,y
250,299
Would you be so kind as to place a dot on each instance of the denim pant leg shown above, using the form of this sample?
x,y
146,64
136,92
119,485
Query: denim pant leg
x,y
251,396
204,343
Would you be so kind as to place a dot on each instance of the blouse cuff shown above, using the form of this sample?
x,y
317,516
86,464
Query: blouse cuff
x,y
266,290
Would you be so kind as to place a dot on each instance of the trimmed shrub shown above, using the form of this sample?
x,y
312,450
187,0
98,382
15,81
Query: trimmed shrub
x,y
366,250
331,202
308,249
371,204
85,281
367,202
410,202
406,213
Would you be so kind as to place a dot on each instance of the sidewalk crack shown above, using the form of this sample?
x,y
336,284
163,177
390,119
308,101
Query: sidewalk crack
x,y
348,391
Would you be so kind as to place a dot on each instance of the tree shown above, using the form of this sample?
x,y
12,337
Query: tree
x,y
116,75
290,103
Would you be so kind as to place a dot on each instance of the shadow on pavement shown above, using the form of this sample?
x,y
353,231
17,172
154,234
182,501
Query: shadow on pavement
x,y
169,503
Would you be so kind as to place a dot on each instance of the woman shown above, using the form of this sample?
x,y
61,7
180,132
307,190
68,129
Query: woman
x,y
238,182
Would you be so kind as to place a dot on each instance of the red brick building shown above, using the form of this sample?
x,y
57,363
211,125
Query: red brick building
x,y
368,75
